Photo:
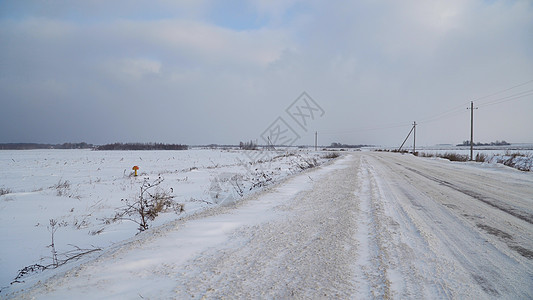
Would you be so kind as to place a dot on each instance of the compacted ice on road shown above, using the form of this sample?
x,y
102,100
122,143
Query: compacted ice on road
x,y
369,225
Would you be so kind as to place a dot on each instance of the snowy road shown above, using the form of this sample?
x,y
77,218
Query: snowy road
x,y
451,230
370,225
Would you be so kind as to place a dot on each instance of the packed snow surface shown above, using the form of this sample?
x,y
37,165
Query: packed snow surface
x,y
368,225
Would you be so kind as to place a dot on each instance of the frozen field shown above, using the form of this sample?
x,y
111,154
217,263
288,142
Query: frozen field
x,y
81,188
367,225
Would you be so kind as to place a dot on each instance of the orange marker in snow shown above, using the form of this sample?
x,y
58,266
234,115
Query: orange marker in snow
x,y
135,168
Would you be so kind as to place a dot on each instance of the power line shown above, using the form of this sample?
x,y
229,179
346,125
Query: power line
x,y
504,90
456,110
508,98
361,129
459,109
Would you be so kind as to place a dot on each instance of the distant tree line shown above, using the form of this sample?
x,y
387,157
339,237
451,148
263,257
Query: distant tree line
x,y
30,146
248,145
497,143
339,145
142,146
82,145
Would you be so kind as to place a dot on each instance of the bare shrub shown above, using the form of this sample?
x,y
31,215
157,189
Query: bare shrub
x,y
331,155
96,232
448,155
398,151
454,156
251,145
62,188
29,270
71,255
152,200
5,191
53,228
261,179
58,259
237,184
131,174
80,224
226,186
288,154
517,160
482,157
306,163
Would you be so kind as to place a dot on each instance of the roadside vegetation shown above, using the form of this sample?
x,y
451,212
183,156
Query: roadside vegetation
x,y
522,161
5,191
518,160
341,145
448,155
151,201
56,258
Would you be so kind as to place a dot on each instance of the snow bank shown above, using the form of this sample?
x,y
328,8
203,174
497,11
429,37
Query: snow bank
x,y
520,162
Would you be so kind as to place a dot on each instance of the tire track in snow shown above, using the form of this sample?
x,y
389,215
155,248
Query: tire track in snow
x,y
485,199
371,269
472,263
497,195
410,265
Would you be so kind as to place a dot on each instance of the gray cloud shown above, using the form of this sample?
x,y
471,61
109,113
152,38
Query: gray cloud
x,y
168,72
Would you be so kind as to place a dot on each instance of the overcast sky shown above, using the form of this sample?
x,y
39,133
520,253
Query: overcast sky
x,y
201,72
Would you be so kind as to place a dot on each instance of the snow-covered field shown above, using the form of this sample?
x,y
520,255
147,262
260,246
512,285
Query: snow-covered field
x,y
80,189
367,225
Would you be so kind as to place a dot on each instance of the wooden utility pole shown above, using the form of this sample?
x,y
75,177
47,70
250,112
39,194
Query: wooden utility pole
x,y
316,140
270,145
414,138
472,129
412,128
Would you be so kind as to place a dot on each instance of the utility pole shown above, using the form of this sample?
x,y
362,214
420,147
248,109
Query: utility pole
x,y
316,140
414,137
270,145
472,129
412,128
